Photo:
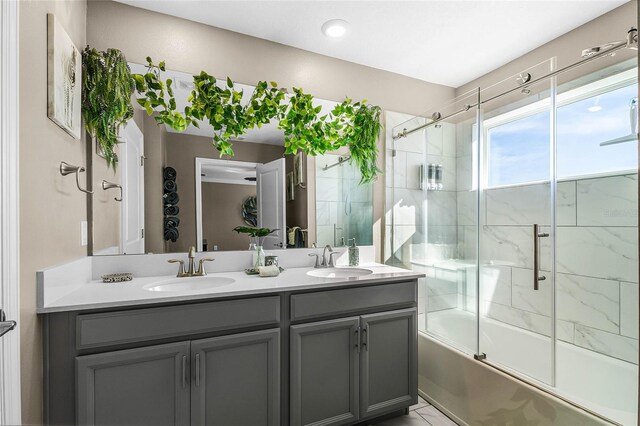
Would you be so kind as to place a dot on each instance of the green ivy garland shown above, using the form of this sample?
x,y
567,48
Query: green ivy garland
x,y
354,125
106,105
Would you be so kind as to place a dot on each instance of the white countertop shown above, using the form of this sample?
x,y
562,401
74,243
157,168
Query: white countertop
x,y
96,294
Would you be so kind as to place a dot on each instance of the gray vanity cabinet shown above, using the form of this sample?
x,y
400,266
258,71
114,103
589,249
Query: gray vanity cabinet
x,y
350,369
324,372
331,356
144,386
388,362
236,379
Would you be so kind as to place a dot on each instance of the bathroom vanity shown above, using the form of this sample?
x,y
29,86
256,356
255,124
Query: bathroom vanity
x,y
297,349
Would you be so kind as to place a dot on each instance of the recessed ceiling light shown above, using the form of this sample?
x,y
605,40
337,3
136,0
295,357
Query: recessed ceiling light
x,y
335,28
594,108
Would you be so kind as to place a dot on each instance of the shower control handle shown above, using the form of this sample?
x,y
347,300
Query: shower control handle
x,y
536,256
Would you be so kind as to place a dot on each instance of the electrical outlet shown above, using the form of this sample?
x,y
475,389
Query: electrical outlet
x,y
84,235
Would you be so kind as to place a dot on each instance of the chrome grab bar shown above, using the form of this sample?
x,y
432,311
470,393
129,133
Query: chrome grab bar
x,y
536,256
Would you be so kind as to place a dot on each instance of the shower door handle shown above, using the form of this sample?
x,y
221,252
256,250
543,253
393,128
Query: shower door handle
x,y
536,256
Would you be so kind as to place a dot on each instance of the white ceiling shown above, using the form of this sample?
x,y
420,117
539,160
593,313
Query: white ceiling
x,y
449,42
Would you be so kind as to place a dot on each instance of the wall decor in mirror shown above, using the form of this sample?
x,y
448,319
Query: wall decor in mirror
x,y
191,197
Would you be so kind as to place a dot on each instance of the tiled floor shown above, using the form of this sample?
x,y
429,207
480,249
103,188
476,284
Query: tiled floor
x,y
421,414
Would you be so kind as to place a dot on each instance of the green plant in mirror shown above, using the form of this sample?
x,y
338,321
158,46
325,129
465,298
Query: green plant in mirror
x,y
352,125
107,86
254,232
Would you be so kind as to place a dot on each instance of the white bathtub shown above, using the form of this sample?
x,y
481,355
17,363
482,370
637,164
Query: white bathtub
x,y
602,384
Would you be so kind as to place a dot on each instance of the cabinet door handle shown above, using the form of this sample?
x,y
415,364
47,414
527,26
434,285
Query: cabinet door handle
x,y
184,371
357,345
197,369
365,335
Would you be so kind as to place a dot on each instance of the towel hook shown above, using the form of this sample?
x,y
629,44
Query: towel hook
x,y
108,185
66,169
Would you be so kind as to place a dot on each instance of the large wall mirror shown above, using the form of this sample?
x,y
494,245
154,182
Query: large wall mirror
x,y
172,190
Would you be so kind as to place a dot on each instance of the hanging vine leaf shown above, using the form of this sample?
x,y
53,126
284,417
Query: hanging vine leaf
x,y
107,86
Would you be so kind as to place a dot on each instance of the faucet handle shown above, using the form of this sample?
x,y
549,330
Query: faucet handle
x,y
331,261
317,265
181,267
201,271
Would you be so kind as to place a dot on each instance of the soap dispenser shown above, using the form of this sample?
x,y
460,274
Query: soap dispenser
x,y
354,253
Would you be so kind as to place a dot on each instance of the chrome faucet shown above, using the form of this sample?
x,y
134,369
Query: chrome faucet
x,y
191,256
326,262
191,271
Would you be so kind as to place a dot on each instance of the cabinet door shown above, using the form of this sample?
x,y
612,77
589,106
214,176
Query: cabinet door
x,y
145,386
324,372
388,368
236,379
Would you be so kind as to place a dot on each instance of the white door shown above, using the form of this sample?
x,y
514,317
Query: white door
x,y
10,406
131,165
271,202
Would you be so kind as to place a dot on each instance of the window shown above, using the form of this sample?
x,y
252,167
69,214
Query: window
x,y
585,124
518,151
518,142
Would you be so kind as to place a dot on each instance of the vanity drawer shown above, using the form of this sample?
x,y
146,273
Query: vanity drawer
x,y
352,300
136,325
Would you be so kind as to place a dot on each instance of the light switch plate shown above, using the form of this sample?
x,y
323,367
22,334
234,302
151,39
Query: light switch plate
x,y
83,233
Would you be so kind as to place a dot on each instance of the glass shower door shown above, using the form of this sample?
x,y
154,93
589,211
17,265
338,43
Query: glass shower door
x,y
516,176
431,215
597,237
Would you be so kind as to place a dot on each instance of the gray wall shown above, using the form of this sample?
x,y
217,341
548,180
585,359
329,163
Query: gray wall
x,y
221,212
51,207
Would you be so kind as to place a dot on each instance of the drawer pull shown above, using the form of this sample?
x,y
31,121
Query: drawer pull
x,y
184,371
365,335
197,370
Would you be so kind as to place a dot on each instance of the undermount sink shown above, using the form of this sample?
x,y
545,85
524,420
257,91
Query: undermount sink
x,y
340,272
189,284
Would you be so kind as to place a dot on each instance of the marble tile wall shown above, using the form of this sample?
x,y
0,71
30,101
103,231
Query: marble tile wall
x,y
596,262
421,224
343,207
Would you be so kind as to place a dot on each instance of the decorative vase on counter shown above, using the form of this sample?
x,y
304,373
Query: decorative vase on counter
x,y
259,256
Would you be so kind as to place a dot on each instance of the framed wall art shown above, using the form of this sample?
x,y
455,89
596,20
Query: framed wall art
x,y
64,79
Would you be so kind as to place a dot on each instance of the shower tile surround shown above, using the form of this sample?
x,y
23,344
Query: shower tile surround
x,y
596,268
597,282
343,206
